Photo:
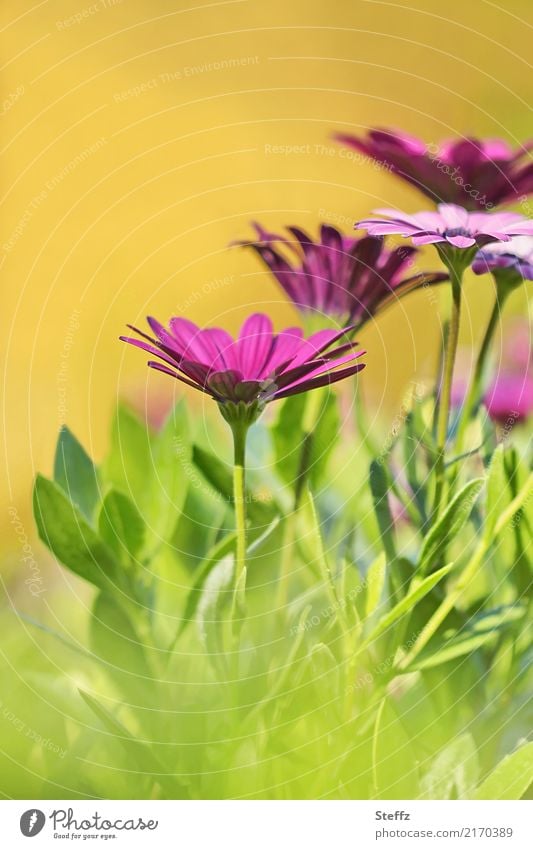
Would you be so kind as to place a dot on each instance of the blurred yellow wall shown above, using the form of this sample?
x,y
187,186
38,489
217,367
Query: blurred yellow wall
x,y
140,137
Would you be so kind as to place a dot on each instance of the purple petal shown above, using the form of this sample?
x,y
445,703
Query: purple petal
x,y
461,241
254,345
324,380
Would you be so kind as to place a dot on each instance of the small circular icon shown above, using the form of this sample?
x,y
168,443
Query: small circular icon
x,y
32,822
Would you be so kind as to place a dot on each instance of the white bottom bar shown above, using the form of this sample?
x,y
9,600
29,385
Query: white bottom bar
x,y
267,825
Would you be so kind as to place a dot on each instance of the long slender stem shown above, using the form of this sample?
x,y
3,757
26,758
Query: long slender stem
x,y
444,399
239,430
474,390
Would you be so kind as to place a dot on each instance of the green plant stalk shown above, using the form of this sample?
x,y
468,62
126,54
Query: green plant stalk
x,y
467,576
239,430
444,397
474,390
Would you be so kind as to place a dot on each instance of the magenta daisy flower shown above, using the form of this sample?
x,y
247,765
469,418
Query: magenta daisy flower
x,y
475,173
450,224
348,279
513,258
243,375
254,369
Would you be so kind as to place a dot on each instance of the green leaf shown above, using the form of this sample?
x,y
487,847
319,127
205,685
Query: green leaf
x,y
318,554
217,553
153,470
142,757
454,772
511,778
325,672
75,473
172,458
448,526
407,604
121,526
64,529
289,433
496,490
214,609
116,641
375,581
483,630
128,466
379,487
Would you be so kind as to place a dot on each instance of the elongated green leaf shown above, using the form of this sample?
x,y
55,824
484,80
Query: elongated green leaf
x,y
319,555
128,466
375,581
325,671
76,473
407,603
65,531
448,526
511,778
452,650
217,553
172,464
116,641
214,608
320,408
496,490
379,487
121,526
454,772
143,758
483,630
152,469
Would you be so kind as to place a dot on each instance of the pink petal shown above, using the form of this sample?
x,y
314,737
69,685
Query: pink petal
x,y
254,344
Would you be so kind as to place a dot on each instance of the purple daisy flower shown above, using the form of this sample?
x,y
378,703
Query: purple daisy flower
x,y
450,224
257,367
343,277
510,397
475,173
514,257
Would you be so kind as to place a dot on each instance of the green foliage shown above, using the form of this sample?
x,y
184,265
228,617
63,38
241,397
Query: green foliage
x,y
370,650
76,473
290,430
69,536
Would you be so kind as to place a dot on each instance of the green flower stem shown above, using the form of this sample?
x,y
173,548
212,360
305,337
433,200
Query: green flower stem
x,y
474,390
239,430
443,411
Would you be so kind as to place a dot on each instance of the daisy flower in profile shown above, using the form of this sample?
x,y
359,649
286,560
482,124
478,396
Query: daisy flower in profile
x,y
450,225
508,260
244,374
344,278
475,173
457,234
257,367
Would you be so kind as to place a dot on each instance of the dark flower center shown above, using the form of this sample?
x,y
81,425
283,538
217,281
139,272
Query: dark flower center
x,y
456,231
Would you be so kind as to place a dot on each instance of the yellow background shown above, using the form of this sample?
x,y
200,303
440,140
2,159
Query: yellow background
x,y
128,164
